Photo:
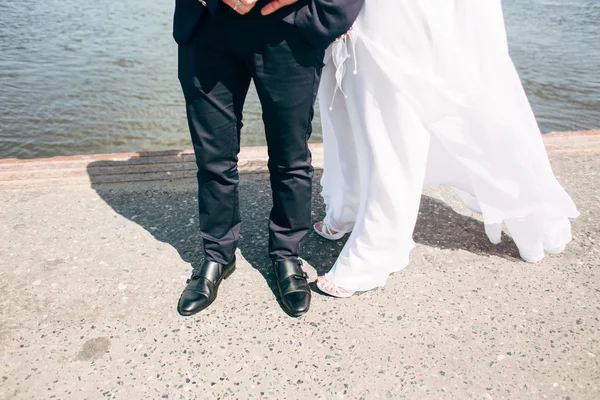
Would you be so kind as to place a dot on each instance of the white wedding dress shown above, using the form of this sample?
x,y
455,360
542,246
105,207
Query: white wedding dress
x,y
430,96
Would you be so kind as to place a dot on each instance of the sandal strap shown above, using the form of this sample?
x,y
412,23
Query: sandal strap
x,y
326,229
333,289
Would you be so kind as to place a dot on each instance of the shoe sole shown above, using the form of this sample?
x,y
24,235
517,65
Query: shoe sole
x,y
217,285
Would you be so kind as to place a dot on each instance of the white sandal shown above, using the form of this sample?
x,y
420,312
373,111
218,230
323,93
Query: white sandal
x,y
327,232
334,290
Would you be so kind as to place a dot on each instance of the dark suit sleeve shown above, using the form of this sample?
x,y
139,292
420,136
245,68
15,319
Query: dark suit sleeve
x,y
323,21
187,14
212,5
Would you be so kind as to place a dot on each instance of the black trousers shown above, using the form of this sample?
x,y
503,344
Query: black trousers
x,y
229,51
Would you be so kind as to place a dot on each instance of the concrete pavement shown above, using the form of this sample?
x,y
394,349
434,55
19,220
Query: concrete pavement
x,y
95,251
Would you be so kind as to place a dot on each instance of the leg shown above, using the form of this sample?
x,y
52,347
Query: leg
x,y
215,85
344,149
286,75
393,144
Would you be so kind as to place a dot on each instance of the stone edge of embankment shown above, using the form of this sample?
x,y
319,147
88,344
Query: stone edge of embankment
x,y
171,165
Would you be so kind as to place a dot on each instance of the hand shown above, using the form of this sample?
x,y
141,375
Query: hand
x,y
242,6
275,5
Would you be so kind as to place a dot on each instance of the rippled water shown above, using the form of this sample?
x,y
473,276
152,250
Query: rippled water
x,y
83,76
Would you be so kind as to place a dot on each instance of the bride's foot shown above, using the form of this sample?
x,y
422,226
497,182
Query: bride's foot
x,y
329,288
325,231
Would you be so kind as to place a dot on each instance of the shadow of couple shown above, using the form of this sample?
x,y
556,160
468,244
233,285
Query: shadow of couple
x,y
169,212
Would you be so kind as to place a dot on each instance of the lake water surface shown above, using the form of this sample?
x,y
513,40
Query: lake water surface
x,y
83,76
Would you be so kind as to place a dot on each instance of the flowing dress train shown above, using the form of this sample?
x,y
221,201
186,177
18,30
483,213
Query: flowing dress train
x,y
430,96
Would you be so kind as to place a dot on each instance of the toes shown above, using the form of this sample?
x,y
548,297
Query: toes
x,y
330,286
324,283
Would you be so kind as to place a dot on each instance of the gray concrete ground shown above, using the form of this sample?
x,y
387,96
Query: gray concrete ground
x,y
91,275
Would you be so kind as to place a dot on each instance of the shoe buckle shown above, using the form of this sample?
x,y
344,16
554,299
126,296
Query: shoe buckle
x,y
195,275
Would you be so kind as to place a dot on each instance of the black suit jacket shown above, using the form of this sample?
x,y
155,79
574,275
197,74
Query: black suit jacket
x,y
319,21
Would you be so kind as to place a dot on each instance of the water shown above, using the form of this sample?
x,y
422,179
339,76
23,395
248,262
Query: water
x,y
83,76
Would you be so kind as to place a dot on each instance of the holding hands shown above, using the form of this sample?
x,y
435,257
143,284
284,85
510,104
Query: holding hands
x,y
245,6
241,6
275,5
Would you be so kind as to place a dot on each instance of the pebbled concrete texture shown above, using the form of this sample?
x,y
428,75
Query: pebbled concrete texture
x,y
91,274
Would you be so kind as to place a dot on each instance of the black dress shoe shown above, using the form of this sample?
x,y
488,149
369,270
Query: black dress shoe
x,y
293,287
202,287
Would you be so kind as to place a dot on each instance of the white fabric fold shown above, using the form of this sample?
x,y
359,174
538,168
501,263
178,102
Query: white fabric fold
x,y
436,101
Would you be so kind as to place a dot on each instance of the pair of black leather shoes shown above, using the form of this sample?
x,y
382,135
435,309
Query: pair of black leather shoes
x,y
203,286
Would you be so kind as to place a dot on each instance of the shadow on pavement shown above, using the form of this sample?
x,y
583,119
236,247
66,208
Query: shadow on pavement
x,y
169,211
